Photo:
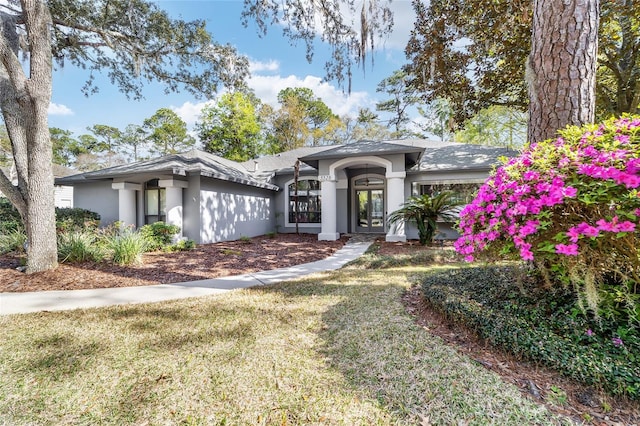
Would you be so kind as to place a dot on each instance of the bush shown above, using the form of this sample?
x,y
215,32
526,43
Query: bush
x,y
76,219
12,241
570,205
79,246
182,245
159,235
127,247
514,314
10,219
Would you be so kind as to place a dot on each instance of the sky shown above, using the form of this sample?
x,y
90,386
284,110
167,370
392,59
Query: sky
x,y
275,65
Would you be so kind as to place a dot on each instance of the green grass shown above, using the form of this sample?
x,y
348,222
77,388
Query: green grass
x,y
336,349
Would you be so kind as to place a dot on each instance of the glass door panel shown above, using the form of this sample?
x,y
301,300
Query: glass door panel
x,y
376,207
370,205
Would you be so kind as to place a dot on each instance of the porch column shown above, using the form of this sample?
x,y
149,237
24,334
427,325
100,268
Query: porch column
x,y
395,199
328,206
173,205
127,201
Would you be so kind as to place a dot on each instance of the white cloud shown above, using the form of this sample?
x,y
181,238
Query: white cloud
x,y
59,109
190,112
260,66
404,17
268,87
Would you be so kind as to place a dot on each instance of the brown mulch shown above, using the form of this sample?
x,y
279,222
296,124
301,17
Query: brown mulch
x,y
204,262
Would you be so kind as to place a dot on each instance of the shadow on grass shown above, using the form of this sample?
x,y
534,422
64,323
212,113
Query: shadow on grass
x,y
60,355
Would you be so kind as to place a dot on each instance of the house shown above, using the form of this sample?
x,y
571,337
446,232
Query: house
x,y
62,194
349,188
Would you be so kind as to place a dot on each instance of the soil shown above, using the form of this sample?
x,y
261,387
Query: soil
x,y
203,262
561,395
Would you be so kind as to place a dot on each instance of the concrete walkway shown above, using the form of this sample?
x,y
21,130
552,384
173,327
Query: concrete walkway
x,y
20,303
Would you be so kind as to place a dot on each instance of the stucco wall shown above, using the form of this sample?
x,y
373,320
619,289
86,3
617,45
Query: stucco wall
x,y
98,197
191,217
229,211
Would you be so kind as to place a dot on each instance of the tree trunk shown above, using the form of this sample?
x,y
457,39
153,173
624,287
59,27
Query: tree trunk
x,y
296,206
562,65
25,102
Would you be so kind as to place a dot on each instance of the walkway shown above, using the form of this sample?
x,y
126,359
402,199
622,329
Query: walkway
x,y
20,303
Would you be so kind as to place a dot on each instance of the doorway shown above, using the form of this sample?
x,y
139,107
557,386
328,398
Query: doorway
x,y
370,210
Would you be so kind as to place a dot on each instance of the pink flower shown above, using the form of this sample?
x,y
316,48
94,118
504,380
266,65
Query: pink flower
x,y
588,230
468,258
617,342
627,226
569,191
567,249
589,332
574,234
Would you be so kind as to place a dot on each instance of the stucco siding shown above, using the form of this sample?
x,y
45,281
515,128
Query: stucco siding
x,y
342,207
229,211
191,217
98,197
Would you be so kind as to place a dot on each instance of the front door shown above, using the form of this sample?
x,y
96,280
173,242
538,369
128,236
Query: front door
x,y
370,210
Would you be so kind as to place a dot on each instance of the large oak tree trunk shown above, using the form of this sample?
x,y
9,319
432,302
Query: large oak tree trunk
x,y
562,65
25,102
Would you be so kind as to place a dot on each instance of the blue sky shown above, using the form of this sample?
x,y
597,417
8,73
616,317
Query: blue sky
x,y
275,65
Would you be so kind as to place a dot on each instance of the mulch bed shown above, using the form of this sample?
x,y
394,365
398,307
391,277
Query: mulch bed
x,y
204,262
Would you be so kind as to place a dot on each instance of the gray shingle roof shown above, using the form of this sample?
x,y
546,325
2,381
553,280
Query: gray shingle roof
x,y
284,161
458,156
178,164
361,148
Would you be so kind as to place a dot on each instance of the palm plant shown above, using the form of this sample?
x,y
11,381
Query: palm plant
x,y
424,211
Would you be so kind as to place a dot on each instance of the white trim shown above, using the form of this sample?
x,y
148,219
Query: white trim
x,y
352,161
449,181
288,224
126,186
172,183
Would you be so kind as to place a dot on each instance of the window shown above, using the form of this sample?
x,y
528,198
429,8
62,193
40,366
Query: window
x,y
308,207
463,193
155,200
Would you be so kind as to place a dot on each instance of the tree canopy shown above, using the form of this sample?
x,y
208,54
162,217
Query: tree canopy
x,y
131,41
454,53
231,127
351,28
167,133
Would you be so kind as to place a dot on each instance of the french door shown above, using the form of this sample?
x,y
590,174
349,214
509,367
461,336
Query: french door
x,y
370,205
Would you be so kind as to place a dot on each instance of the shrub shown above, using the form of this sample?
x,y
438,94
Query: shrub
x,y
158,235
78,246
10,219
12,241
572,206
76,219
182,245
127,247
424,211
511,311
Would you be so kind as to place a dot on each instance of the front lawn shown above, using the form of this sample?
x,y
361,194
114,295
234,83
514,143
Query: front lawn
x,y
334,349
